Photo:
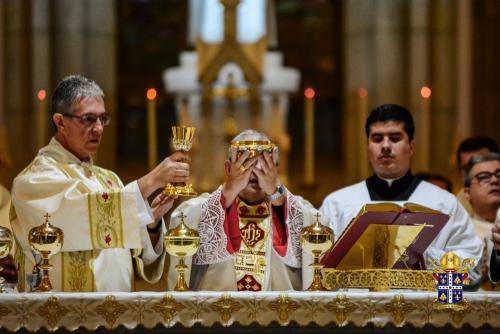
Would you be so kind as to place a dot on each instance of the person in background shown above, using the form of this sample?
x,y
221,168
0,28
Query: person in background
x,y
469,147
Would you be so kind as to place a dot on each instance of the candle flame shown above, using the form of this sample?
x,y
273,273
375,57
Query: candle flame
x,y
151,94
42,94
425,92
309,93
362,92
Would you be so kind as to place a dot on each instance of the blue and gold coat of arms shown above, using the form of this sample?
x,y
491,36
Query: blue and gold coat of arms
x,y
450,279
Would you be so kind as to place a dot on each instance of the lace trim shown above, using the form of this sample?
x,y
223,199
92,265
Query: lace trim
x,y
213,240
294,224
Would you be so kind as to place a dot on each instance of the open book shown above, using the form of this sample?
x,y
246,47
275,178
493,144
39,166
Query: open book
x,y
386,235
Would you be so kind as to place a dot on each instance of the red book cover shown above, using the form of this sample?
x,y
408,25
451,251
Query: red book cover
x,y
390,214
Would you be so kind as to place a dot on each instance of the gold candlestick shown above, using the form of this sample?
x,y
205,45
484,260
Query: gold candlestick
x,y
309,94
45,240
42,118
5,247
317,239
182,241
182,141
424,128
362,116
152,134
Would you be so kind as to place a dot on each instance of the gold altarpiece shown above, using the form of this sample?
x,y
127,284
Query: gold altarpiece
x,y
227,87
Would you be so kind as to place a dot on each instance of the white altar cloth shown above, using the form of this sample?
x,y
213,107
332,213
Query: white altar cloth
x,y
71,311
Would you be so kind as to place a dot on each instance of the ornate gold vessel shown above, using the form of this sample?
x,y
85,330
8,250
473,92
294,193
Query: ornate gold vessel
x,y
255,147
45,240
5,247
317,239
181,241
182,139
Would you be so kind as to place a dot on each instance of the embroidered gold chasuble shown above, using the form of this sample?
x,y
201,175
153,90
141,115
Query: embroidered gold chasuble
x,y
256,265
102,221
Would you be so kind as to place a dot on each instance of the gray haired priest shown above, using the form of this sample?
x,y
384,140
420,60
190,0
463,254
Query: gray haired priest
x,y
249,227
109,228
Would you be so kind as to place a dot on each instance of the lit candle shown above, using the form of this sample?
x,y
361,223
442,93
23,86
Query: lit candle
x,y
424,127
152,146
309,94
42,118
362,116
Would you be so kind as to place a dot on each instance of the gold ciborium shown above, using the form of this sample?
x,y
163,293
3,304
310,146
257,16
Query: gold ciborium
x,y
317,239
182,139
181,241
5,247
45,240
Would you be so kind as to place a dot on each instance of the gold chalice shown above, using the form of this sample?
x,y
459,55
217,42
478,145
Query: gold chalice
x,y
182,241
5,247
182,138
317,239
45,240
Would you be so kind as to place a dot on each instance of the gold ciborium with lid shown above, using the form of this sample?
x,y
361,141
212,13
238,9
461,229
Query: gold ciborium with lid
x,y
317,239
45,240
182,140
5,247
181,241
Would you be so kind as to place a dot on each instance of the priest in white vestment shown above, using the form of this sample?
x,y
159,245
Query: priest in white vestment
x,y
391,145
249,227
109,229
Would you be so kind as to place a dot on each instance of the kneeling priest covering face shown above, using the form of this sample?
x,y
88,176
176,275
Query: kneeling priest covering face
x,y
249,227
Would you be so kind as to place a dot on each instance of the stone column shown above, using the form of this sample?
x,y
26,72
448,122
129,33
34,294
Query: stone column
x,y
69,37
360,72
389,52
444,85
464,64
419,76
41,64
100,65
18,107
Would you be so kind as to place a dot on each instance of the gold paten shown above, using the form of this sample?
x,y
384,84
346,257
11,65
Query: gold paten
x,y
181,241
182,140
379,279
317,239
5,247
45,240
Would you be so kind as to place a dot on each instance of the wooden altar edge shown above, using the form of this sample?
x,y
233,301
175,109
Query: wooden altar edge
x,y
380,279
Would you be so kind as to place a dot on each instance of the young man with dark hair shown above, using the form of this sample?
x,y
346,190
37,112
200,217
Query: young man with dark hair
x,y
390,131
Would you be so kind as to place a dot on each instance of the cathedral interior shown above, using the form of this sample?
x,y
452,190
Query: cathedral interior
x,y
437,58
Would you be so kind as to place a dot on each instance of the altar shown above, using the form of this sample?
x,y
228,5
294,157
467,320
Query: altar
x,y
244,312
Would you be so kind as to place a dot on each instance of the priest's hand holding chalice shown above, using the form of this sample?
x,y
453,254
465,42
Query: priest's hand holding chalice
x,y
182,139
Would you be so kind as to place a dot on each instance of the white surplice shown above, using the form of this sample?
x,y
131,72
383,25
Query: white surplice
x,y
103,223
457,235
